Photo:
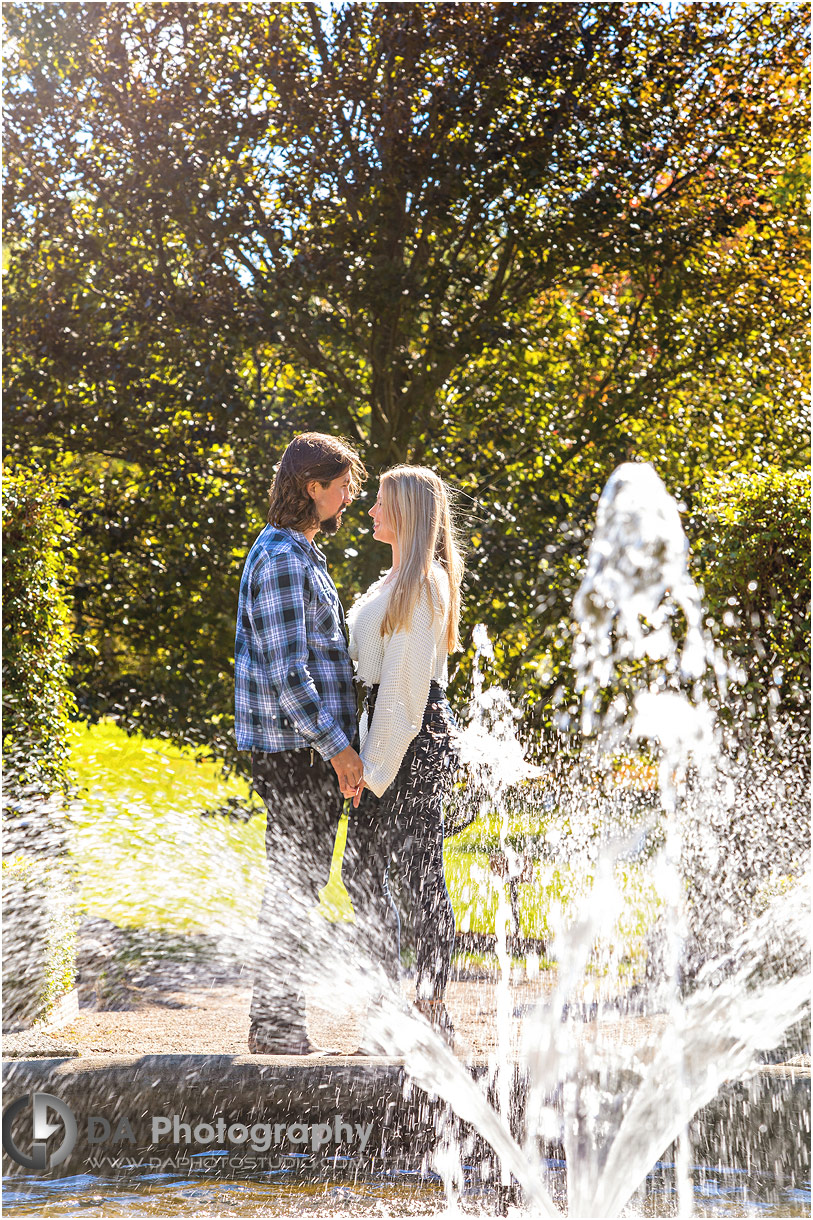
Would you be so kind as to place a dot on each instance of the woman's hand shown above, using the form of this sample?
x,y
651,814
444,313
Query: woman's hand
x,y
357,794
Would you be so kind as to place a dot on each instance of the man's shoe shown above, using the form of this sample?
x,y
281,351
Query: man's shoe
x,y
267,1040
437,1014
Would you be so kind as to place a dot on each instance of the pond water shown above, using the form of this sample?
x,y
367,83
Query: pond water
x,y
719,1191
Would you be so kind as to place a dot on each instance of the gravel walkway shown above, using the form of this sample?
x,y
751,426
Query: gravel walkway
x,y
142,993
214,1020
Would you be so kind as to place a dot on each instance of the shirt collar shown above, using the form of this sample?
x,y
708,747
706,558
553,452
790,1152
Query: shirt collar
x,y
310,547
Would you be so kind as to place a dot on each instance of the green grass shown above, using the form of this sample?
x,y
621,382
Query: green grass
x,y
144,855
145,858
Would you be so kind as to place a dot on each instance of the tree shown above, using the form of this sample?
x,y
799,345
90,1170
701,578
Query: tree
x,y
510,241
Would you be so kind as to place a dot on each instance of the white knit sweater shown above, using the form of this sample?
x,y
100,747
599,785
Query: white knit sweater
x,y
403,663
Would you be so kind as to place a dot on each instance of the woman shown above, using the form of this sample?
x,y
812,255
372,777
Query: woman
x,y
401,632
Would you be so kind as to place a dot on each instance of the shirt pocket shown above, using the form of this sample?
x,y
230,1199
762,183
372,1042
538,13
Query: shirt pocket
x,y
325,615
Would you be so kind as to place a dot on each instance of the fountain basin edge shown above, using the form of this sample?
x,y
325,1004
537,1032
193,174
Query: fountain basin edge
x,y
115,1099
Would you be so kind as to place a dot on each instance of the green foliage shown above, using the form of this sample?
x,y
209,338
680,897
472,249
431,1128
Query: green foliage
x,y
155,598
754,532
40,924
37,564
519,243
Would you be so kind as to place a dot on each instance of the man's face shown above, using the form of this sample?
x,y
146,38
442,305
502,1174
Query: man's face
x,y
331,501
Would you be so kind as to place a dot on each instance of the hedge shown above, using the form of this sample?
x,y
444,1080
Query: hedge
x,y
37,566
753,545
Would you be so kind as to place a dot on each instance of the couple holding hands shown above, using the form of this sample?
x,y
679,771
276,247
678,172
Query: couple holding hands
x,y
296,711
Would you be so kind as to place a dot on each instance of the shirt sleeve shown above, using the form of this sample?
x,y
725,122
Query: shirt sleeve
x,y
409,662
280,626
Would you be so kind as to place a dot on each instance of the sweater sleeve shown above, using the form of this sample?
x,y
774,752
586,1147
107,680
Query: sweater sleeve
x,y
406,671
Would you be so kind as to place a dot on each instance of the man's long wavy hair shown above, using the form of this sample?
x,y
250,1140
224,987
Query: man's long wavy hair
x,y
311,456
417,507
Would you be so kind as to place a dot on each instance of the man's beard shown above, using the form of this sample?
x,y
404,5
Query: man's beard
x,y
331,525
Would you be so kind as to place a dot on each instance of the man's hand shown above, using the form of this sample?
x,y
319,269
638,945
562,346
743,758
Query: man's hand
x,y
357,794
350,770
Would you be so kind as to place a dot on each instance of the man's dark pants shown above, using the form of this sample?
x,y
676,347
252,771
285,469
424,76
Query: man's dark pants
x,y
301,793
402,834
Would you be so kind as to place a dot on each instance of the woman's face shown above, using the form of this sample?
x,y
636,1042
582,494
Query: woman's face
x,y
382,529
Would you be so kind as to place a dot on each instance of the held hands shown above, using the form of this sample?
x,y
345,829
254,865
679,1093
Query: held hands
x,y
350,772
357,794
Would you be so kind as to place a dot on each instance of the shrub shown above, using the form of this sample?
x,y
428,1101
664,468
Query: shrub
x,y
40,923
753,545
37,564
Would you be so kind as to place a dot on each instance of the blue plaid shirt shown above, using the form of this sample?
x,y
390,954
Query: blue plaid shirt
x,y
293,675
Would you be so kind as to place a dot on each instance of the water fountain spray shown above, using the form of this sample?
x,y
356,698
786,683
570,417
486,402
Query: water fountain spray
x,y
640,657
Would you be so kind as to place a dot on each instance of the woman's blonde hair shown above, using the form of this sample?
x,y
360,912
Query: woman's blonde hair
x,y
416,503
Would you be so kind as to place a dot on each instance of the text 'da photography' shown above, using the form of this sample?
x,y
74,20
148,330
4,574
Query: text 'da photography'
x,y
406,609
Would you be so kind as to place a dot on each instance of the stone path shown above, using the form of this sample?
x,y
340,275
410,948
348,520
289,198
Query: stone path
x,y
214,1020
142,994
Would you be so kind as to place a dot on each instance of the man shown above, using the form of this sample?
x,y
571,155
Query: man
x,y
295,709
